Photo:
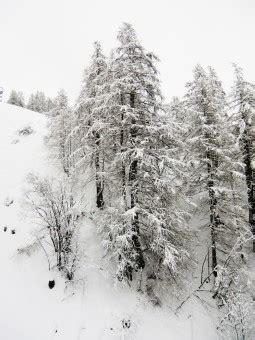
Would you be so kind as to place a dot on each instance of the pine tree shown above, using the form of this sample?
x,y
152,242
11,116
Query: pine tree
x,y
21,101
216,172
90,118
243,94
40,102
50,105
178,110
60,126
13,98
31,103
16,98
146,227
37,102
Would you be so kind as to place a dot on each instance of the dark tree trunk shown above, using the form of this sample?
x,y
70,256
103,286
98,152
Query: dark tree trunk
x,y
133,172
99,183
250,181
213,214
135,222
123,170
59,255
63,155
212,164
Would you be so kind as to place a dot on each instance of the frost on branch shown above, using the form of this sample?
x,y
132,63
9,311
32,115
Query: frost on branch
x,y
52,204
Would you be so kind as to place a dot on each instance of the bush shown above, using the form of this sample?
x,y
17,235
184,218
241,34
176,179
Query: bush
x,y
25,131
52,204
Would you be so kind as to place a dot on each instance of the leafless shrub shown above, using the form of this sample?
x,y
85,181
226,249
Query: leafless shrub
x,y
29,249
52,204
25,131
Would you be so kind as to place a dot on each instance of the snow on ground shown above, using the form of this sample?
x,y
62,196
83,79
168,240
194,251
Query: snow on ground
x,y
29,310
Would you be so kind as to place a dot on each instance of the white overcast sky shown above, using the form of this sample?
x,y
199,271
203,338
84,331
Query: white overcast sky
x,y
46,44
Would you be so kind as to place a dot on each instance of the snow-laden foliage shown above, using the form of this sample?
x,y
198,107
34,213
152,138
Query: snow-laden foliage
x,y
216,168
233,290
89,127
52,204
144,223
243,119
60,126
39,103
156,168
16,98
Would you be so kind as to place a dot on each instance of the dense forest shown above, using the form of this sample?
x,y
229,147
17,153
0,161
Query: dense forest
x,y
173,182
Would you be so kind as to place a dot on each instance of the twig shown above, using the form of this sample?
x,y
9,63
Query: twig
x,y
44,252
192,293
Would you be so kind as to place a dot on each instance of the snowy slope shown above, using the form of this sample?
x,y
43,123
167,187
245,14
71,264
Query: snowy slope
x,y
29,310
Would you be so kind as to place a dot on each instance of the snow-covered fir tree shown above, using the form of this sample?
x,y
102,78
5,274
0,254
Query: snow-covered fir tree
x,y
145,228
243,102
37,102
40,102
16,98
50,104
31,102
90,122
178,110
60,126
216,172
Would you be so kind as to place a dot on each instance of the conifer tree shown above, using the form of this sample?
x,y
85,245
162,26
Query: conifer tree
x,y
40,102
16,98
145,226
216,172
31,103
50,105
90,118
60,126
243,95
37,102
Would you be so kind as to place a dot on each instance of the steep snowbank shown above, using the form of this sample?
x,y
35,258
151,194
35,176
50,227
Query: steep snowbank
x,y
29,310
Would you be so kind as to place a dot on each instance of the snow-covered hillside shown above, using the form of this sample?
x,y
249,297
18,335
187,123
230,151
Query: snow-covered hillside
x,y
93,309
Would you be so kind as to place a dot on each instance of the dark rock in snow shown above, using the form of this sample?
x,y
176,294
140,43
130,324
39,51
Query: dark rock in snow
x,y
8,202
126,323
13,231
51,283
5,228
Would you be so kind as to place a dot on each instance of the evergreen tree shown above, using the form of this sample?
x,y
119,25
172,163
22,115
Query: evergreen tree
x,y
178,110
31,103
243,94
16,98
37,102
50,105
60,126
145,225
90,119
40,102
216,172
